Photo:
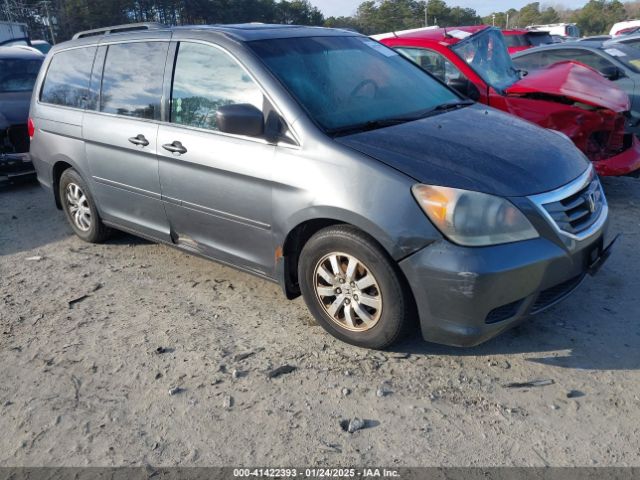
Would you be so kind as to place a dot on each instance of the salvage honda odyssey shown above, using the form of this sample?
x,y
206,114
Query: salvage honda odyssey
x,y
323,161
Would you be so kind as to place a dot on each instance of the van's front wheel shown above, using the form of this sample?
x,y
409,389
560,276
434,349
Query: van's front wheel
x,y
352,288
80,209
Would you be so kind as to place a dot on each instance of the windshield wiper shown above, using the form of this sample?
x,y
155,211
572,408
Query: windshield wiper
x,y
388,122
370,125
452,105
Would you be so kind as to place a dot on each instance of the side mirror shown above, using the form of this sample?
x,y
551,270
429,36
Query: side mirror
x,y
465,87
240,119
612,73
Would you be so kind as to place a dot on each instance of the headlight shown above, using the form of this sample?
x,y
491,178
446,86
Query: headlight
x,y
473,218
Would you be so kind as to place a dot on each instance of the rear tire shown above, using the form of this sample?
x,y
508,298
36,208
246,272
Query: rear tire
x,y
80,208
353,288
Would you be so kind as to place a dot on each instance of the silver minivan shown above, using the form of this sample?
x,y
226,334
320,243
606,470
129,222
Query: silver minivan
x,y
324,161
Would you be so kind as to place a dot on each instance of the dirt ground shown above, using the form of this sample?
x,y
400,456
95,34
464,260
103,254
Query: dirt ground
x,y
83,384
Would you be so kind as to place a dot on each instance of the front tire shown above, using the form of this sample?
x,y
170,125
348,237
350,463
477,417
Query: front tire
x,y
353,288
80,208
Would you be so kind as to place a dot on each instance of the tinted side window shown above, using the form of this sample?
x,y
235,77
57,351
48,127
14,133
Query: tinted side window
x,y
583,56
549,57
530,62
538,39
67,80
132,79
434,63
205,79
515,40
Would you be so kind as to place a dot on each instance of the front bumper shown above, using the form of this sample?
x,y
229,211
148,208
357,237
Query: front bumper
x,y
622,164
466,295
15,165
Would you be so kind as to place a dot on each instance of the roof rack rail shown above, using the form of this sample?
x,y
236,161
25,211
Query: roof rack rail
x,y
129,27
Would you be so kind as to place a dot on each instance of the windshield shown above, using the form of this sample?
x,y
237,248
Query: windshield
x,y
487,55
18,75
344,82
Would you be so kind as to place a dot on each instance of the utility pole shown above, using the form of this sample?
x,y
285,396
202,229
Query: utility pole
x,y
7,10
46,10
426,13
493,19
506,24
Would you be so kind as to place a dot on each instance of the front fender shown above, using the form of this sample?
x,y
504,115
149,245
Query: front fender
x,y
397,245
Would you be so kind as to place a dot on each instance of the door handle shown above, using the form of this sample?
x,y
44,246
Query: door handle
x,y
139,140
175,147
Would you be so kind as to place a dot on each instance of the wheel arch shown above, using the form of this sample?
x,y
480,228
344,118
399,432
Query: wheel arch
x,y
60,164
306,224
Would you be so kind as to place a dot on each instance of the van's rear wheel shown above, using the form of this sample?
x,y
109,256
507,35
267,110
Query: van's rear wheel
x,y
80,209
353,288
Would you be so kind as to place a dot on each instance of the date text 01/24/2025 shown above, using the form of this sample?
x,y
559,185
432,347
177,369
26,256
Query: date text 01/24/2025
x,y
316,472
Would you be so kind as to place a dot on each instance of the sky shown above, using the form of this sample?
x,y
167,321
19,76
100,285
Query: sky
x,y
337,8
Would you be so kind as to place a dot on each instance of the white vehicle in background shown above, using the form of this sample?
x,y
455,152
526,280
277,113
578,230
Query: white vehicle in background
x,y
561,29
621,27
12,33
380,36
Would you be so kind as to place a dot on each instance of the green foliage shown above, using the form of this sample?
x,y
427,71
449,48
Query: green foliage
x,y
598,16
71,16
372,16
377,16
595,18
530,14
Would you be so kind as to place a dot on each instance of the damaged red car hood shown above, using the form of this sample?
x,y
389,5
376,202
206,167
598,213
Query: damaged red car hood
x,y
574,81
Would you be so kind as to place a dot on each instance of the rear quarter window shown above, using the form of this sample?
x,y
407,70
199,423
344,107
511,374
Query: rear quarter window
x,y
67,79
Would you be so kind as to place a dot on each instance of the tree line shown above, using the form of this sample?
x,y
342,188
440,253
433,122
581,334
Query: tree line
x,y
371,16
595,18
70,16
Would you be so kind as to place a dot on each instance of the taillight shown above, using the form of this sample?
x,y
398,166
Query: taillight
x,y
31,128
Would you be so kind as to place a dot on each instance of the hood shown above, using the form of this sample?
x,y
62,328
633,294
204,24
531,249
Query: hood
x,y
574,81
14,108
475,148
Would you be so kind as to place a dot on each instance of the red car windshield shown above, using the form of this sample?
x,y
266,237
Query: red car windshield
x,y
486,53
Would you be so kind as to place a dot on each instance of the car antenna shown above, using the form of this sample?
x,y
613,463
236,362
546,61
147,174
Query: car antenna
x,y
446,35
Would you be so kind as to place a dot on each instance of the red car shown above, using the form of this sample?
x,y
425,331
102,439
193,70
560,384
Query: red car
x,y
519,39
568,97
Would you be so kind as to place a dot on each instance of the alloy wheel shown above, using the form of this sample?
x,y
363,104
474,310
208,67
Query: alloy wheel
x,y
348,291
78,206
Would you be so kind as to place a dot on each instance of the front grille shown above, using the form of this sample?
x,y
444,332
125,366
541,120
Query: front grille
x,y
551,295
14,139
578,211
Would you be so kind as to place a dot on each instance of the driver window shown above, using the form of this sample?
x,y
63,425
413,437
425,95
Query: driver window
x,y
587,57
206,78
531,61
435,64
